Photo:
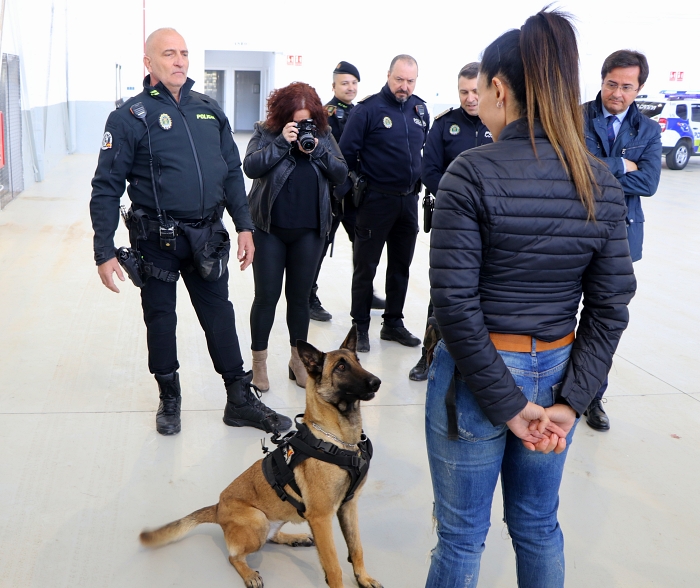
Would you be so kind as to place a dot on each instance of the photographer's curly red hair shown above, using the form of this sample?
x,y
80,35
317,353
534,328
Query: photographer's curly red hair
x,y
284,102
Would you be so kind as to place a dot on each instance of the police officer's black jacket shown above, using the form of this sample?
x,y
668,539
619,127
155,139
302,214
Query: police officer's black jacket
x,y
512,251
269,162
388,135
333,106
453,131
195,163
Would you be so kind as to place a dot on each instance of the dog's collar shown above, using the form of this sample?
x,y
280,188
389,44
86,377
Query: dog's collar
x,y
350,446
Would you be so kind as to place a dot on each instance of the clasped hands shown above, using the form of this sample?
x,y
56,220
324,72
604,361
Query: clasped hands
x,y
543,429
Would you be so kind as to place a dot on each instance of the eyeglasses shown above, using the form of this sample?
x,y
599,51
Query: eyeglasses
x,y
626,89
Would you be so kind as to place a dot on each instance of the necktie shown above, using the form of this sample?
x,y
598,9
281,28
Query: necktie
x,y
611,131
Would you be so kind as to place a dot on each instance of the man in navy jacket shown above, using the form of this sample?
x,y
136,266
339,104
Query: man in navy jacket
x,y
382,140
630,145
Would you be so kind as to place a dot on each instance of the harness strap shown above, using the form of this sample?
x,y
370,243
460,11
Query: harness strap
x,y
296,447
151,271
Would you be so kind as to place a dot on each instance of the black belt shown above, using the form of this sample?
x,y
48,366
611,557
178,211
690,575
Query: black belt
x,y
373,188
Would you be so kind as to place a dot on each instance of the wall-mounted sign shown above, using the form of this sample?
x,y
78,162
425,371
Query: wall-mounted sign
x,y
293,59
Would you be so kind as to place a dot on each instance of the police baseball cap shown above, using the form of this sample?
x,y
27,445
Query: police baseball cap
x,y
347,68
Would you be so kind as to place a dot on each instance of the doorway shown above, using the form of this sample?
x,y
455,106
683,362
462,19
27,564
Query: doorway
x,y
246,101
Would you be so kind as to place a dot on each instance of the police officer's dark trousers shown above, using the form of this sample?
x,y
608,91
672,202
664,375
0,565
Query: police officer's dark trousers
x,y
391,219
211,303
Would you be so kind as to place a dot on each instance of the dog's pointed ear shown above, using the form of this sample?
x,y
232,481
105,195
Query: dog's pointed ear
x,y
351,340
311,357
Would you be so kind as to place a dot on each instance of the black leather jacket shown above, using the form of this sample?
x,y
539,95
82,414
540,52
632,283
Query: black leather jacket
x,y
268,162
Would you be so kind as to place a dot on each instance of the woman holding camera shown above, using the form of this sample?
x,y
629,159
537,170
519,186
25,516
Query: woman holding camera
x,y
293,159
523,230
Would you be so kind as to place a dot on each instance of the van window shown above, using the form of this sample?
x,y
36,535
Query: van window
x,y
650,109
696,113
682,111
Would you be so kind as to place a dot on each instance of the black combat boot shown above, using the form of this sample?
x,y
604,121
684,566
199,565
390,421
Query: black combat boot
x,y
316,310
419,372
168,415
243,409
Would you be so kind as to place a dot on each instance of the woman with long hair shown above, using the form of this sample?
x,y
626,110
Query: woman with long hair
x,y
293,159
523,230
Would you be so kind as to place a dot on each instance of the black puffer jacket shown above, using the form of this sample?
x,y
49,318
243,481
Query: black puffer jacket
x,y
269,162
512,252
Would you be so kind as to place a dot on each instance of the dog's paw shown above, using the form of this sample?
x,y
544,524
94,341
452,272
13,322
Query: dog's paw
x,y
367,582
302,540
254,580
295,540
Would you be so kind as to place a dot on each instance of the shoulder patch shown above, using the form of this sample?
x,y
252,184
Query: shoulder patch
x,y
443,113
106,141
331,109
366,98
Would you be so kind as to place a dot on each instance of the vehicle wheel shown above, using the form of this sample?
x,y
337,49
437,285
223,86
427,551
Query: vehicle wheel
x,y
678,157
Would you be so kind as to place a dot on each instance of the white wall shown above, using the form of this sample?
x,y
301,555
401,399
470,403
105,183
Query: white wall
x,y
90,36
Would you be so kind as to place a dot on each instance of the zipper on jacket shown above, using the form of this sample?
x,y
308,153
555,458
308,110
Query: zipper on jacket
x,y
408,144
196,158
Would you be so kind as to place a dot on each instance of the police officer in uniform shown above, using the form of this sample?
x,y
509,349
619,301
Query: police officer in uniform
x,y
453,131
382,141
175,149
345,79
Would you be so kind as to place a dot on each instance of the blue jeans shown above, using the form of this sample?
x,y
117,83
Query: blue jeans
x,y
465,471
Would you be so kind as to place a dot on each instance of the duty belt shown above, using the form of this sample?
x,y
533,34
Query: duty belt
x,y
374,188
297,446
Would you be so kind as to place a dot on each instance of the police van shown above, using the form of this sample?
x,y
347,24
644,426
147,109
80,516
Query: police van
x,y
678,114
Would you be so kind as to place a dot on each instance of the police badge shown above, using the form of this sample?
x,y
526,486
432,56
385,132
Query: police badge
x,y
454,130
106,141
165,122
387,122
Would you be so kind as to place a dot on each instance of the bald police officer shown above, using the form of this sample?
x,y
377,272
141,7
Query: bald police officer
x,y
382,141
184,139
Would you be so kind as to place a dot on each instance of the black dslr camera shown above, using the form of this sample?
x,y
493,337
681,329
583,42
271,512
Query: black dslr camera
x,y
307,134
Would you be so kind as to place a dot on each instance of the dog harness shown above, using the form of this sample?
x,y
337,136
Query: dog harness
x,y
297,446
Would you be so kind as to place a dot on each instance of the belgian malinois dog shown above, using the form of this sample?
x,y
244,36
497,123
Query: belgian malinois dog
x,y
251,513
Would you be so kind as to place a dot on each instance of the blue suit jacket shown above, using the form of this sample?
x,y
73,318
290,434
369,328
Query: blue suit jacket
x,y
639,140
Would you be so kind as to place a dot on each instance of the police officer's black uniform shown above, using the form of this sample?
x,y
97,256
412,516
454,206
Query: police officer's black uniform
x,y
453,132
197,170
387,136
343,209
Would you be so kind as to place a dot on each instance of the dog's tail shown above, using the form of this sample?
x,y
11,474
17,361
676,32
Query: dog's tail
x,y
173,531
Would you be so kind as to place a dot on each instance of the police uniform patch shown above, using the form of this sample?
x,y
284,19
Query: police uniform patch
x,y
488,135
331,110
106,141
418,121
165,122
454,130
387,122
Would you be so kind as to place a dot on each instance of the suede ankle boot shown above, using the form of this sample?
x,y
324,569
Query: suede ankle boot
x,y
260,370
168,415
297,371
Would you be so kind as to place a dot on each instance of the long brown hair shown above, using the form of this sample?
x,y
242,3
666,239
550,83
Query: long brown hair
x,y
540,63
284,102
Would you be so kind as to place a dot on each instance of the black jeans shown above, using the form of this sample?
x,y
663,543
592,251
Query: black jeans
x,y
296,252
383,218
210,300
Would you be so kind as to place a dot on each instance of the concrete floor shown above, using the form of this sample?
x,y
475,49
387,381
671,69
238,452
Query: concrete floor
x,y
82,470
